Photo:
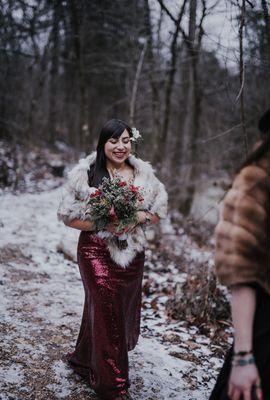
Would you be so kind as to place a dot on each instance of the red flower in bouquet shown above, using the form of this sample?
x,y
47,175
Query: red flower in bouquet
x,y
113,214
96,193
133,188
136,190
122,184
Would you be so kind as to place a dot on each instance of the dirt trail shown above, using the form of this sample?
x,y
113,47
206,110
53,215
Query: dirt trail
x,y
41,306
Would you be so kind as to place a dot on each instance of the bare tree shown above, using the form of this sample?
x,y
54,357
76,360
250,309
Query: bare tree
x,y
162,137
152,72
267,24
54,70
136,83
186,152
242,75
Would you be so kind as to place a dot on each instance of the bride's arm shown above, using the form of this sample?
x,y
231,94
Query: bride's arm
x,y
80,224
73,199
159,199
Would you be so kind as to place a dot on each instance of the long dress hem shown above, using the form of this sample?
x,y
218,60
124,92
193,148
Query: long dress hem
x,y
110,323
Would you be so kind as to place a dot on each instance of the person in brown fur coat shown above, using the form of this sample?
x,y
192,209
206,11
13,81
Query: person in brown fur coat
x,y
242,262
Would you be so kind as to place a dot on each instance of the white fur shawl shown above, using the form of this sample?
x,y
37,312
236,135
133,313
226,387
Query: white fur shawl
x,y
76,191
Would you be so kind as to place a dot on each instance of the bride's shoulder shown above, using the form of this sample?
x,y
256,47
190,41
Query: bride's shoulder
x,y
141,165
78,175
83,165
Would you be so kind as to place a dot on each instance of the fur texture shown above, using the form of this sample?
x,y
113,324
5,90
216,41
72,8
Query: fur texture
x,y
75,192
243,232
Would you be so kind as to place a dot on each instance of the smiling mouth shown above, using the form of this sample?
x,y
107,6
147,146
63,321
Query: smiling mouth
x,y
119,154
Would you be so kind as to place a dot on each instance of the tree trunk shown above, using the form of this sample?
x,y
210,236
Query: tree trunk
x,y
242,76
77,18
189,153
136,84
267,21
53,86
163,134
152,76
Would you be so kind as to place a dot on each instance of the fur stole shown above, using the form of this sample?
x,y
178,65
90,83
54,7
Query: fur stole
x,y
76,191
243,232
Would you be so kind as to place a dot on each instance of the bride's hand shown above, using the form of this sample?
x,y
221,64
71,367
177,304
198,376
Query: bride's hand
x,y
129,228
141,216
141,219
112,228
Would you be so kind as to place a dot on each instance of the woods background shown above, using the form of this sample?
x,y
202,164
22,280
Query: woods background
x,y
68,66
193,77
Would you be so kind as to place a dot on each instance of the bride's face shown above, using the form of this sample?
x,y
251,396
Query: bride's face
x,y
117,150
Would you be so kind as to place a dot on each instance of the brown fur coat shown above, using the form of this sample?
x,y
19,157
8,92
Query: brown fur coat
x,y
243,232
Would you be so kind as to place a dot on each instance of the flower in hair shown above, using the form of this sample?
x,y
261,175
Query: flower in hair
x,y
135,134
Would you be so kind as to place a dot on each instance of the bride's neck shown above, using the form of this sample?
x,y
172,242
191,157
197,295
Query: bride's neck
x,y
111,165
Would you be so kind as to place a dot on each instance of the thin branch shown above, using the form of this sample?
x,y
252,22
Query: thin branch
x,y
201,29
17,52
162,5
250,3
203,141
242,75
185,36
136,83
242,81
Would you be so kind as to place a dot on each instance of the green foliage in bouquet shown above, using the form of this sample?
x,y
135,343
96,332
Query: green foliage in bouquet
x,y
115,201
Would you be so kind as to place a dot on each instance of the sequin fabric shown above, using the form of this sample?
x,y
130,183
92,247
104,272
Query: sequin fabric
x,y
111,317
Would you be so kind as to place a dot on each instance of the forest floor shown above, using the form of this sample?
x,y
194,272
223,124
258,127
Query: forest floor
x,y
41,307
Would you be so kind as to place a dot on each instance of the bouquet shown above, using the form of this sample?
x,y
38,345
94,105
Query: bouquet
x,y
115,201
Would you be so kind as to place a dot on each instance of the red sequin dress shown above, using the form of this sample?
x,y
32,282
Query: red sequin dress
x,y
111,318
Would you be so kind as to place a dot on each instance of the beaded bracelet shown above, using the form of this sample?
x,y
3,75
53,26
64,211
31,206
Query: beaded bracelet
x,y
242,362
242,353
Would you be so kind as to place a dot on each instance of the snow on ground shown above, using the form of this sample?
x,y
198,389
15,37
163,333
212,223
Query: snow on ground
x,y
41,307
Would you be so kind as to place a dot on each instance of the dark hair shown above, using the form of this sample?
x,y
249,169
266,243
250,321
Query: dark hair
x,y
264,128
112,129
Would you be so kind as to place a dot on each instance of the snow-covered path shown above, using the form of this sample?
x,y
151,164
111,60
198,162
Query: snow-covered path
x,y
41,306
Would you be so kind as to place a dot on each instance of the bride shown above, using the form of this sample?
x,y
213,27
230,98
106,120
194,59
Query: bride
x,y
112,277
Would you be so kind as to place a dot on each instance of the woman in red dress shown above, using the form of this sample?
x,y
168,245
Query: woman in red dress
x,y
112,277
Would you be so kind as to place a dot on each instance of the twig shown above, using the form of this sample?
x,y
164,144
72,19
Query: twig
x,y
242,78
220,134
162,5
242,75
251,4
136,83
185,37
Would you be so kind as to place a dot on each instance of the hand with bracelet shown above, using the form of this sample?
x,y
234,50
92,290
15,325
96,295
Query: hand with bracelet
x,y
143,217
147,217
244,382
244,378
